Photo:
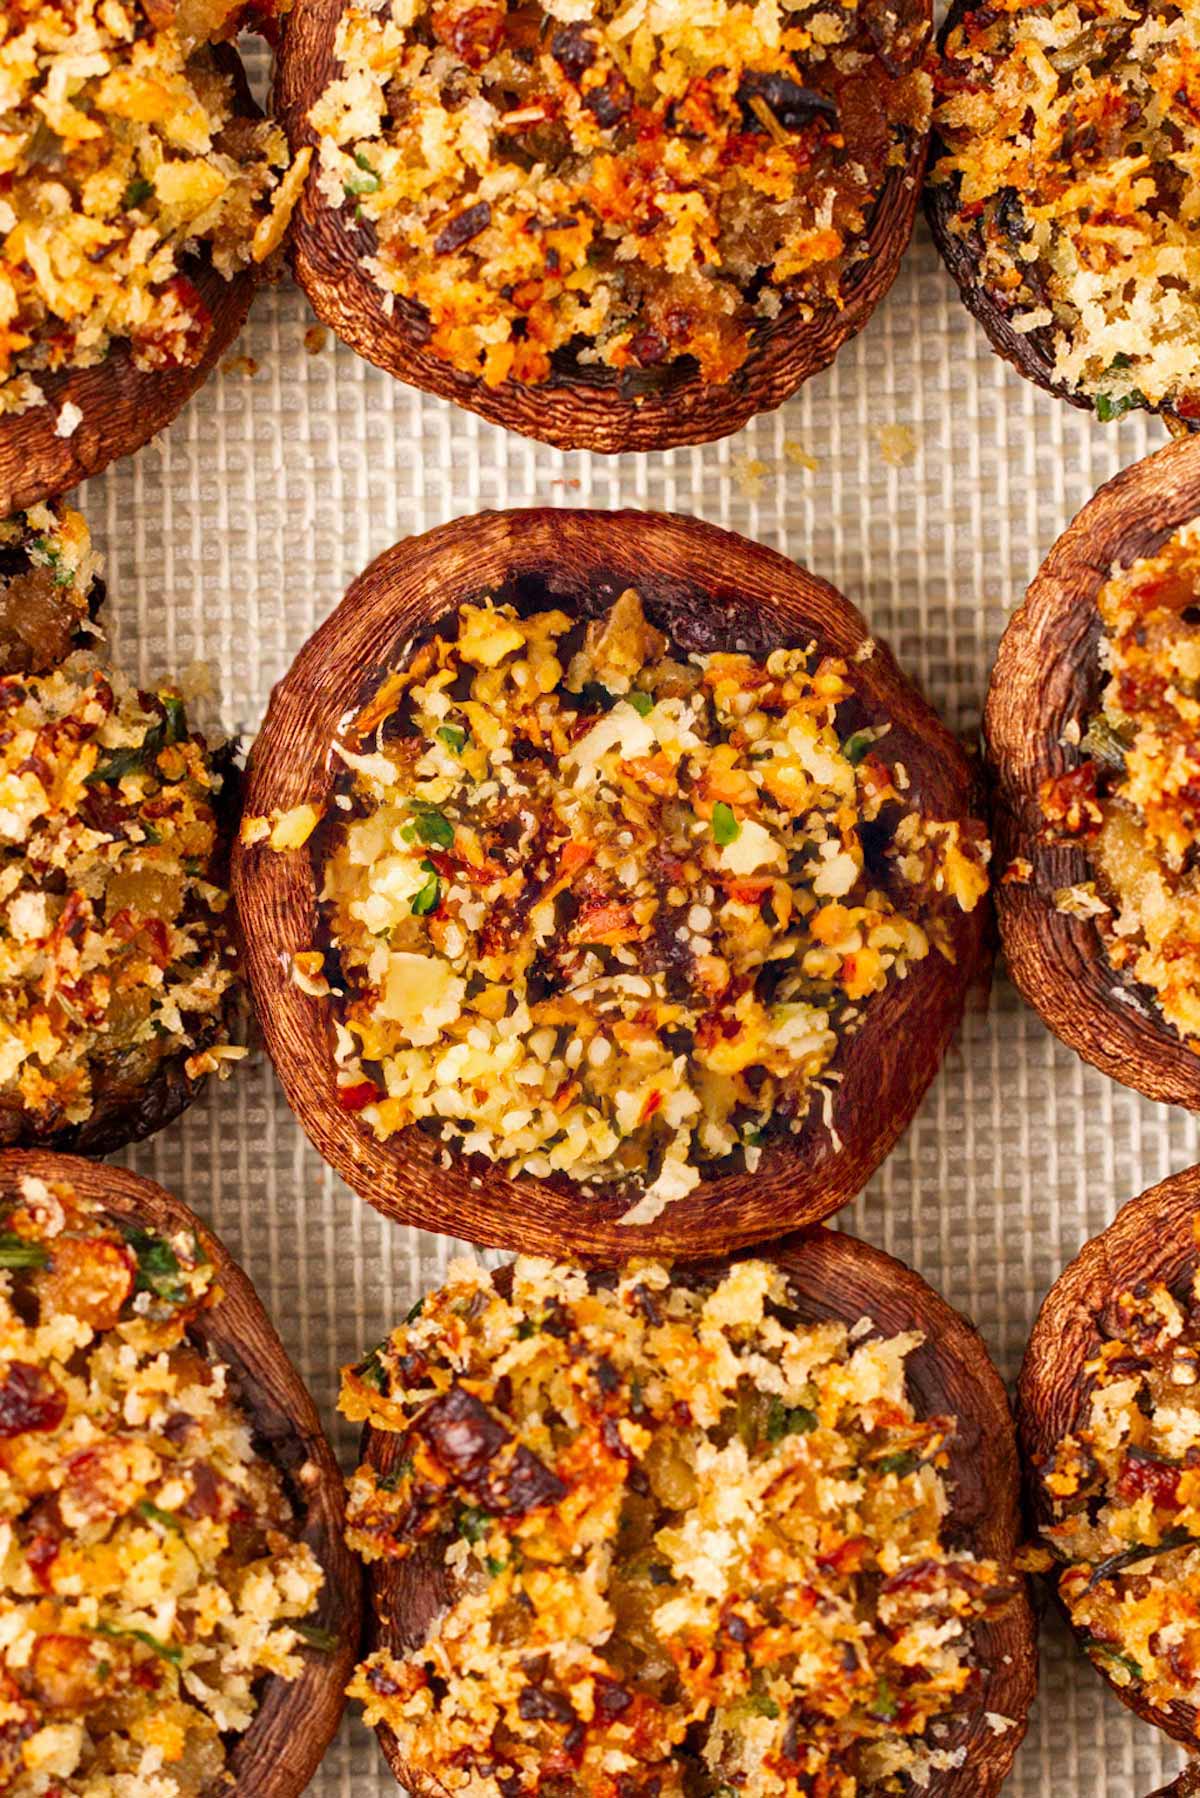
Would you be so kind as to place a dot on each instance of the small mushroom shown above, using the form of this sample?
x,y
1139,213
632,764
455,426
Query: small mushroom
x,y
1045,685
582,407
120,406
834,1276
709,590
1152,1241
295,1720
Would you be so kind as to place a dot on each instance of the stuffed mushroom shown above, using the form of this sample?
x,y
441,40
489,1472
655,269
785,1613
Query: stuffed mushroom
x,y
748,1528
605,883
610,228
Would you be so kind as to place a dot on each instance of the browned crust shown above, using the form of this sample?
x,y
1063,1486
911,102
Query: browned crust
x,y
1047,675
123,407
833,1275
1031,353
708,589
296,1720
1150,1240
582,409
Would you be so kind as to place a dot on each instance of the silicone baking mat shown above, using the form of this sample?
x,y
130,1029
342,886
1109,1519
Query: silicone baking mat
x,y
926,481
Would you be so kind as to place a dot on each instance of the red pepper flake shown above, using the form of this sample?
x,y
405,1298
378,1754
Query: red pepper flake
x,y
359,1096
653,1104
29,1400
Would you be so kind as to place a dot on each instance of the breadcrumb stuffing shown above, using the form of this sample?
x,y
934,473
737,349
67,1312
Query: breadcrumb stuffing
x,y
604,910
695,1545
617,182
1123,1488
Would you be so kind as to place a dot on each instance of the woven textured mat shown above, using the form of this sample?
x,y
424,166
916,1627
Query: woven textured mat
x,y
229,538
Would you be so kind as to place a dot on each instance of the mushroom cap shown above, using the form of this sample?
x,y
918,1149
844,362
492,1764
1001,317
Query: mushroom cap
x,y
296,1719
1047,676
708,589
123,407
1151,1240
1031,353
836,1276
579,407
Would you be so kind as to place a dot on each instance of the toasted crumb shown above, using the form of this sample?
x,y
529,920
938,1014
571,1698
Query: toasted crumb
x,y
1082,901
240,365
897,444
750,473
798,456
315,339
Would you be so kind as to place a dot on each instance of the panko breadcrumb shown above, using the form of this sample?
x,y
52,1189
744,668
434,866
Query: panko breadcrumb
x,y
122,154
151,1576
617,182
690,1544
1133,800
603,909
1071,135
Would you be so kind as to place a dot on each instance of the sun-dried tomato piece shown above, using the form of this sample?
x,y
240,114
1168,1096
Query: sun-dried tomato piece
x,y
1142,1475
478,1451
29,1400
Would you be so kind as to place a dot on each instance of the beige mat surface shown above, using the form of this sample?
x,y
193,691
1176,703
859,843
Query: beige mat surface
x,y
229,538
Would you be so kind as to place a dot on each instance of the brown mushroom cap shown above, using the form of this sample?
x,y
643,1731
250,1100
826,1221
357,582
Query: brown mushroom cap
x,y
708,589
1048,676
583,408
122,406
1151,1240
833,1275
1031,353
296,1719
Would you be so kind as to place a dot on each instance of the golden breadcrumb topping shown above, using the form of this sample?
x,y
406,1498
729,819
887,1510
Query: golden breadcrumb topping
x,y
1124,1495
623,181
692,1544
115,953
150,1572
1072,133
1134,801
49,587
602,909
121,156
